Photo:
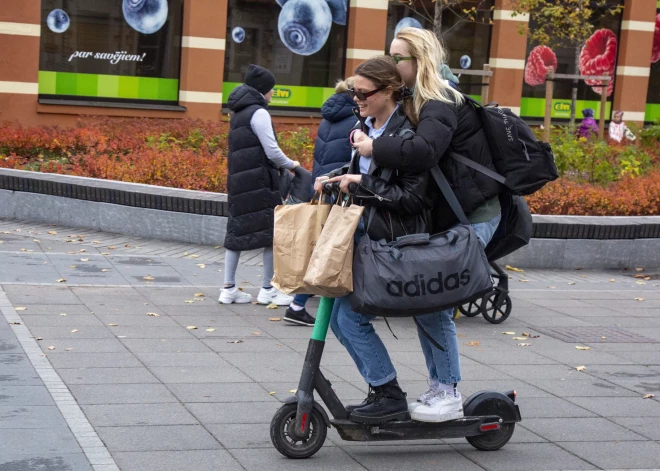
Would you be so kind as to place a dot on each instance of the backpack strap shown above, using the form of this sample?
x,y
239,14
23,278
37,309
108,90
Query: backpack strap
x,y
478,167
449,195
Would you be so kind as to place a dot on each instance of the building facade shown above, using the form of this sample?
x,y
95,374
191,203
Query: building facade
x,y
62,59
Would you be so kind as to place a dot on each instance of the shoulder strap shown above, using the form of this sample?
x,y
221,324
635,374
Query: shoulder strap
x,y
449,195
386,175
478,167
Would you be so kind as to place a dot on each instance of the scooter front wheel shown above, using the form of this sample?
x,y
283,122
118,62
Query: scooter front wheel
x,y
492,441
281,433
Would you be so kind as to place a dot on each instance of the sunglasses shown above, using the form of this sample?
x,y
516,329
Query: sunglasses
x,y
398,59
363,95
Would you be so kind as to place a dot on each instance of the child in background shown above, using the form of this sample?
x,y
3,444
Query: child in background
x,y
618,129
588,128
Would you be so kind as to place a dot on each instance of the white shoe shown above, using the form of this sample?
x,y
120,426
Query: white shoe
x,y
234,295
423,398
274,296
439,408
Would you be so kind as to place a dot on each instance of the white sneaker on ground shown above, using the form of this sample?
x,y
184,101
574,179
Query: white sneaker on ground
x,y
234,295
423,398
274,296
439,408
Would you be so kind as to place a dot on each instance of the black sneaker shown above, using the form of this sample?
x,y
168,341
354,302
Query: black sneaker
x,y
301,317
389,403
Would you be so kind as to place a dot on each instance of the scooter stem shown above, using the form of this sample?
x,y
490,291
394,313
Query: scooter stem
x,y
323,319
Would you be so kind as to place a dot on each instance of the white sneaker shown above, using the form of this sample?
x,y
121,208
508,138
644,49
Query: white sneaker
x,y
234,295
423,398
274,296
439,408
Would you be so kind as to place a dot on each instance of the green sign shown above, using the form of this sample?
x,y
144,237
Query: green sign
x,y
535,108
290,96
652,112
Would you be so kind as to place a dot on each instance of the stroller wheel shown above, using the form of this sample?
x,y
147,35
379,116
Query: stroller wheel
x,y
471,309
496,306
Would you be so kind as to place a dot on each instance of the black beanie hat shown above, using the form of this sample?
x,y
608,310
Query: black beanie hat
x,y
261,79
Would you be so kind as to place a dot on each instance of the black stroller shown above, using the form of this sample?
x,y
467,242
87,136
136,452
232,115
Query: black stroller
x,y
514,232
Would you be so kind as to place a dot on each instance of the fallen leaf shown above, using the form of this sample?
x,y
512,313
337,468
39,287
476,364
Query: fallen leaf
x,y
524,344
20,308
474,343
201,265
192,327
68,349
84,259
38,338
552,287
111,247
52,232
15,323
194,256
96,242
271,306
523,281
72,266
105,253
612,280
274,319
256,333
82,250
518,270
582,348
23,250
509,333
639,299
211,329
105,270
235,341
580,368
199,295
640,276
127,245
218,247
112,325
571,283
51,348
189,301
61,280
148,278
62,314
519,338
639,269
272,393
293,391
648,396
153,314
641,282
74,331
603,337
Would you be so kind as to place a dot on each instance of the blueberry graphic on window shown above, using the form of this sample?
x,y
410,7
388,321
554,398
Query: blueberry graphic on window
x,y
58,21
304,25
238,34
338,8
407,22
145,16
465,62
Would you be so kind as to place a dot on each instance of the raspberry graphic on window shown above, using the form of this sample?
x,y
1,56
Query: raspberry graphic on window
x,y
540,59
599,57
656,41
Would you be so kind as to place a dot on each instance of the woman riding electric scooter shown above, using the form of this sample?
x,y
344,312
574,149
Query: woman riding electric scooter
x,y
444,122
401,204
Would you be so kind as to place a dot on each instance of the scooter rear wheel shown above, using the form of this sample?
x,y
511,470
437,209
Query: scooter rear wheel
x,y
492,441
281,428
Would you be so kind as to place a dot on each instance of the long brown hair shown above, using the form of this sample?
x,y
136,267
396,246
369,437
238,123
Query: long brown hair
x,y
382,71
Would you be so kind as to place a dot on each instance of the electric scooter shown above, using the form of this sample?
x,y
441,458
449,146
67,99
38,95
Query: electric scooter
x,y
299,428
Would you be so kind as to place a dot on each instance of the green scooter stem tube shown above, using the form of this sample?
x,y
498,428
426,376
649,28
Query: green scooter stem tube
x,y
323,319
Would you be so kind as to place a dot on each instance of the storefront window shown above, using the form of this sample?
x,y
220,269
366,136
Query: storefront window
x,y
111,51
653,97
602,49
467,42
303,42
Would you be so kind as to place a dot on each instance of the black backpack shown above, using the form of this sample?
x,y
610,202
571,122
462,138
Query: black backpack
x,y
524,164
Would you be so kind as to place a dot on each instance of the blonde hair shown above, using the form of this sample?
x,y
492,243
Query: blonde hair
x,y
343,85
429,54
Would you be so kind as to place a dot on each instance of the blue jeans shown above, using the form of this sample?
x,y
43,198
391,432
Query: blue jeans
x,y
356,333
444,367
301,299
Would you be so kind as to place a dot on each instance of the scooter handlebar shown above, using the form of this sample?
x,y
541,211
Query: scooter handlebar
x,y
334,187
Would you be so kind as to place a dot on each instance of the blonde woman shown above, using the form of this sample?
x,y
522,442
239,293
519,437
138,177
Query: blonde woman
x,y
445,123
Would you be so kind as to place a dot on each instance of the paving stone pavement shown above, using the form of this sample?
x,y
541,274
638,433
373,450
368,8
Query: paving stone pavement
x,y
90,381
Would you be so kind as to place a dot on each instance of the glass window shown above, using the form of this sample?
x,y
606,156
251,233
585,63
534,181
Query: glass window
x,y
603,45
467,42
125,51
653,97
303,42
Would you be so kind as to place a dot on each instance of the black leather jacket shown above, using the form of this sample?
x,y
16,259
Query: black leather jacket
x,y
402,203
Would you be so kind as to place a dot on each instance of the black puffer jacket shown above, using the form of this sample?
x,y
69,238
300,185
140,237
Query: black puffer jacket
x,y
402,203
252,183
443,127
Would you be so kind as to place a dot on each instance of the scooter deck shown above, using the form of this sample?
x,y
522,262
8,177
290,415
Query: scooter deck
x,y
414,430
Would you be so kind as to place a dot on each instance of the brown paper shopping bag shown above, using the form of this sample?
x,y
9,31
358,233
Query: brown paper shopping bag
x,y
330,270
297,228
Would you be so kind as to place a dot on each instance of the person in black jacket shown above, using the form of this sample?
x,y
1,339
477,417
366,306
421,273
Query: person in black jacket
x,y
253,189
445,122
400,201
331,151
